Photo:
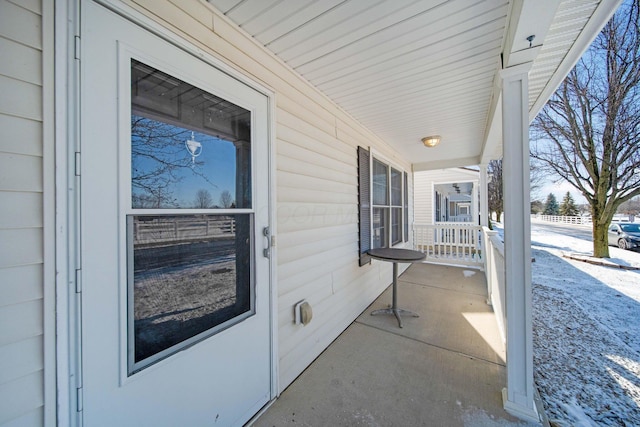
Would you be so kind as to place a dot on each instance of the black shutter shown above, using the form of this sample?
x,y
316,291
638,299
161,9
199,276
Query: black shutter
x,y
406,207
364,208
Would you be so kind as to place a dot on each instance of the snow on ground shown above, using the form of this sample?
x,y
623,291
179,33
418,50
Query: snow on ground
x,y
585,332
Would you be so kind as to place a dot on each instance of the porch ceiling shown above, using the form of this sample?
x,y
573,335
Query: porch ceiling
x,y
407,69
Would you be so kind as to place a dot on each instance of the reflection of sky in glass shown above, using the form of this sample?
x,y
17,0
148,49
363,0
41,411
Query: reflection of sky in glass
x,y
163,174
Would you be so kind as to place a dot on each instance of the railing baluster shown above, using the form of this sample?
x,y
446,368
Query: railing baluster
x,y
450,243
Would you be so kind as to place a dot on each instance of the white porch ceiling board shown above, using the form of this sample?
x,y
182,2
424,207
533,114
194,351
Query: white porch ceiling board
x,y
376,19
225,5
419,76
445,37
273,30
465,98
431,96
416,87
281,13
245,12
570,19
331,24
431,120
383,36
406,69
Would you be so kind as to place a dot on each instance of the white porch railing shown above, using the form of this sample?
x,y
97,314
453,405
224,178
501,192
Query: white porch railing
x,y
460,218
493,256
565,219
449,243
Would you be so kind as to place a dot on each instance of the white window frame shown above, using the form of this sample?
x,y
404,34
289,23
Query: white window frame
x,y
374,154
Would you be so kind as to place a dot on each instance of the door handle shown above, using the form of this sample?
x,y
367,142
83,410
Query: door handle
x,y
266,252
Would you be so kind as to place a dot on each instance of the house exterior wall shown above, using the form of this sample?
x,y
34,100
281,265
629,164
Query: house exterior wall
x,y
424,182
316,212
26,283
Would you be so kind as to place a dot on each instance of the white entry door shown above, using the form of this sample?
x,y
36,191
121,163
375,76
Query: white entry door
x,y
175,300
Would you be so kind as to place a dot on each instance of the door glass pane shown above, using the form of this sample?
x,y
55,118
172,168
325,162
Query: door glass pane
x,y
189,277
189,148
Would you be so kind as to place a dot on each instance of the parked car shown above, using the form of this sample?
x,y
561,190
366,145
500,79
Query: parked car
x,y
625,235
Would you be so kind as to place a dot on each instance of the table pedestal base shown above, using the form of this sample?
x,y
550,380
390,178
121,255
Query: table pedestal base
x,y
395,256
395,311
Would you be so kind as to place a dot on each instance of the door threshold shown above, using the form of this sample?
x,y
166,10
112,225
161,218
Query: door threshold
x,y
262,410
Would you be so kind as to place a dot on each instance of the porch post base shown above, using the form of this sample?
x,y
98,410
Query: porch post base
x,y
517,410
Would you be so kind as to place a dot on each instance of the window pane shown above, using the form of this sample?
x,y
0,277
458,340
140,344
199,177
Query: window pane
x,y
396,187
189,276
396,225
380,229
380,176
189,148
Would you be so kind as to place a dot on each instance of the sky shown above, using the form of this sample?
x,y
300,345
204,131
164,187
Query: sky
x,y
213,168
217,162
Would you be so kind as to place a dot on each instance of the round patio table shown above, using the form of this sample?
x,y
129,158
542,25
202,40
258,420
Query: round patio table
x,y
396,255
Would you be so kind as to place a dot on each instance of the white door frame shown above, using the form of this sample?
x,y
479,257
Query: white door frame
x,y
67,122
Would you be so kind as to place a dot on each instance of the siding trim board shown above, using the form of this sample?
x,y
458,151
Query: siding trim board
x,y
49,212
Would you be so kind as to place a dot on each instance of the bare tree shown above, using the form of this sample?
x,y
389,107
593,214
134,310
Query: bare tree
x,y
156,155
536,179
226,200
588,132
494,188
203,199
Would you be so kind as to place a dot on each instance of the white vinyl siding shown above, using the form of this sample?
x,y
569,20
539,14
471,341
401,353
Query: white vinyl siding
x,y
316,189
424,197
22,326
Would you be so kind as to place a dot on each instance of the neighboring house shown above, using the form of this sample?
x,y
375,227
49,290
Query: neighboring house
x,y
115,114
446,195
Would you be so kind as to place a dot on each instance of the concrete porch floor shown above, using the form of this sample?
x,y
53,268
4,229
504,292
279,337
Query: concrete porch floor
x,y
445,368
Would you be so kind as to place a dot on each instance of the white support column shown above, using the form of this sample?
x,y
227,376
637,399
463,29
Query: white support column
x,y
519,394
484,196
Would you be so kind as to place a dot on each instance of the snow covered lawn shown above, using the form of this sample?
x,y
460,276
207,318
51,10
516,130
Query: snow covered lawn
x,y
585,333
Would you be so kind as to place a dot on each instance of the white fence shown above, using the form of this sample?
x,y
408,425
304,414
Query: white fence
x,y
155,230
449,243
493,250
565,219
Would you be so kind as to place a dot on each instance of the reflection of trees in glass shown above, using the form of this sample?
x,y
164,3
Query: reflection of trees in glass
x,y
158,154
226,200
203,200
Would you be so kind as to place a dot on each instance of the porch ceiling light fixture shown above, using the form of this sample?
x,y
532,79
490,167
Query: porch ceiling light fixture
x,y
431,141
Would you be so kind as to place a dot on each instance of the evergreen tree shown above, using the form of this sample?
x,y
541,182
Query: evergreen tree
x,y
568,206
551,206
